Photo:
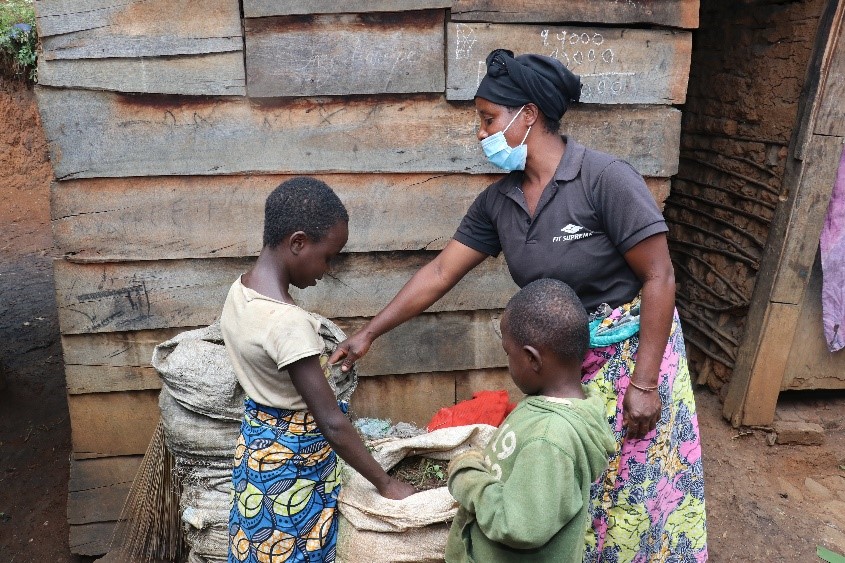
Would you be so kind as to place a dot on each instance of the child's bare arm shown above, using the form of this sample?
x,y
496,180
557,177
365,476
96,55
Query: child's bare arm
x,y
308,378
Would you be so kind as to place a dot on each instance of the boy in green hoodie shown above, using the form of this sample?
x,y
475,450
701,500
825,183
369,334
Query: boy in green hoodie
x,y
525,496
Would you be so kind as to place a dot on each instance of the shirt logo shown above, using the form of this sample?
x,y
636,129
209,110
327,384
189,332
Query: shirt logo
x,y
572,233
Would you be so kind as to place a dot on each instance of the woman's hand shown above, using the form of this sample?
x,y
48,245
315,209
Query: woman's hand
x,y
351,349
396,489
640,411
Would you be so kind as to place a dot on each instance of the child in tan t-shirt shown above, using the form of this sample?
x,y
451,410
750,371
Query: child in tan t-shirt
x,y
285,474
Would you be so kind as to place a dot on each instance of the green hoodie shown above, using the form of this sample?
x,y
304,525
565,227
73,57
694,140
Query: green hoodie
x,y
525,497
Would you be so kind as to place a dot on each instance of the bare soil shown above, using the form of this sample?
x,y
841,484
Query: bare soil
x,y
765,503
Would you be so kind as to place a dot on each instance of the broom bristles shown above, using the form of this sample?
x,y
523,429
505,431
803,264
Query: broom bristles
x,y
149,527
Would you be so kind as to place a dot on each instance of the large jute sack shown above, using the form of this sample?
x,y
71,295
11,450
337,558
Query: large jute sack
x,y
195,368
377,529
196,439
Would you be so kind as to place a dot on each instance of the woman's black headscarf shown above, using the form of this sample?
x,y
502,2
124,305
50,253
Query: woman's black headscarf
x,y
536,79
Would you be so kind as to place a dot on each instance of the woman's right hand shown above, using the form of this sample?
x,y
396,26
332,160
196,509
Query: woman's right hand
x,y
351,349
396,489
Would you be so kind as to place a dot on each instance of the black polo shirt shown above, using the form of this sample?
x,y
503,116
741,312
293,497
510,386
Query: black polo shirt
x,y
596,208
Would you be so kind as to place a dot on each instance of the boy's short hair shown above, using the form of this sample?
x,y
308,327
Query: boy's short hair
x,y
301,204
547,313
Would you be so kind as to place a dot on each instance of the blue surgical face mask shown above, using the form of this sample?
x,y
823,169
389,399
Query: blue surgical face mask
x,y
501,154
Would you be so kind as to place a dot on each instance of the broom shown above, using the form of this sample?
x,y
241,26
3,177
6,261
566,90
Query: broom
x,y
149,526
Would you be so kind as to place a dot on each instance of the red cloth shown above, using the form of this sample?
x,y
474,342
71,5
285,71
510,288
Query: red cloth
x,y
485,407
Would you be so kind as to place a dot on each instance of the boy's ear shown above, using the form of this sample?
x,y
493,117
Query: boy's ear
x,y
297,241
535,360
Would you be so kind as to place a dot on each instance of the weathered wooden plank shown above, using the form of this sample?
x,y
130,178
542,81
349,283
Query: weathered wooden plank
x,y
807,207
811,365
98,488
449,341
105,379
72,29
113,361
93,218
113,424
219,74
403,398
263,8
345,54
471,382
672,13
616,65
110,361
91,539
116,349
830,119
145,295
768,371
114,135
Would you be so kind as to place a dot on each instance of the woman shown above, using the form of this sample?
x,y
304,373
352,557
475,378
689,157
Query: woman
x,y
587,219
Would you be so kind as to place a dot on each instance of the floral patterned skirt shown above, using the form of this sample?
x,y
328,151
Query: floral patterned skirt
x,y
286,481
649,504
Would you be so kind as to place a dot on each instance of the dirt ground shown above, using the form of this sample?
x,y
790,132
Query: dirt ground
x,y
765,503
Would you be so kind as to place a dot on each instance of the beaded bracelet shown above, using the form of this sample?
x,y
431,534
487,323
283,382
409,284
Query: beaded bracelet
x,y
646,389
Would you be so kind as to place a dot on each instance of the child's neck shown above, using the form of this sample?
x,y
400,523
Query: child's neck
x,y
564,384
268,277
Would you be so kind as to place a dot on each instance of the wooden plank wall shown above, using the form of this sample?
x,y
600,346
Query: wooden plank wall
x,y
167,131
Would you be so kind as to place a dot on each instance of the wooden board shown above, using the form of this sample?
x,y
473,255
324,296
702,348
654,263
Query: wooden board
x,y
470,382
345,54
146,295
98,488
811,365
807,207
112,424
219,74
262,8
768,372
673,13
91,539
434,342
830,119
84,29
120,361
114,135
616,65
403,398
93,218
113,361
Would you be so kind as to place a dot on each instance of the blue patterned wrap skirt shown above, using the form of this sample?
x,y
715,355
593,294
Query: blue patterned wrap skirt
x,y
286,480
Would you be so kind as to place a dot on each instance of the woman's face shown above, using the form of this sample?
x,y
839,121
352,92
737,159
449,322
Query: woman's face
x,y
494,118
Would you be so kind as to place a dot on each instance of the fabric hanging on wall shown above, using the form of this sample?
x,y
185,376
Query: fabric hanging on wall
x,y
832,244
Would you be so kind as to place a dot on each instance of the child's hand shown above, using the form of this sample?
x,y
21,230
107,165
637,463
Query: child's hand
x,y
397,490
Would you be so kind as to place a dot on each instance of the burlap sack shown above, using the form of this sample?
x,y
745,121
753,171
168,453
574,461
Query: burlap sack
x,y
375,529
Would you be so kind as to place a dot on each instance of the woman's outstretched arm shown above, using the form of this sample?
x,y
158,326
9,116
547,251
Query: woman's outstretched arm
x,y
429,284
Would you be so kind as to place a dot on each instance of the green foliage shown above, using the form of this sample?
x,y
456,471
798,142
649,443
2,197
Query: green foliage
x,y
18,38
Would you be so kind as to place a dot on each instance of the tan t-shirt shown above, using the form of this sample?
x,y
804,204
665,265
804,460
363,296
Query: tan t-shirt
x,y
262,336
